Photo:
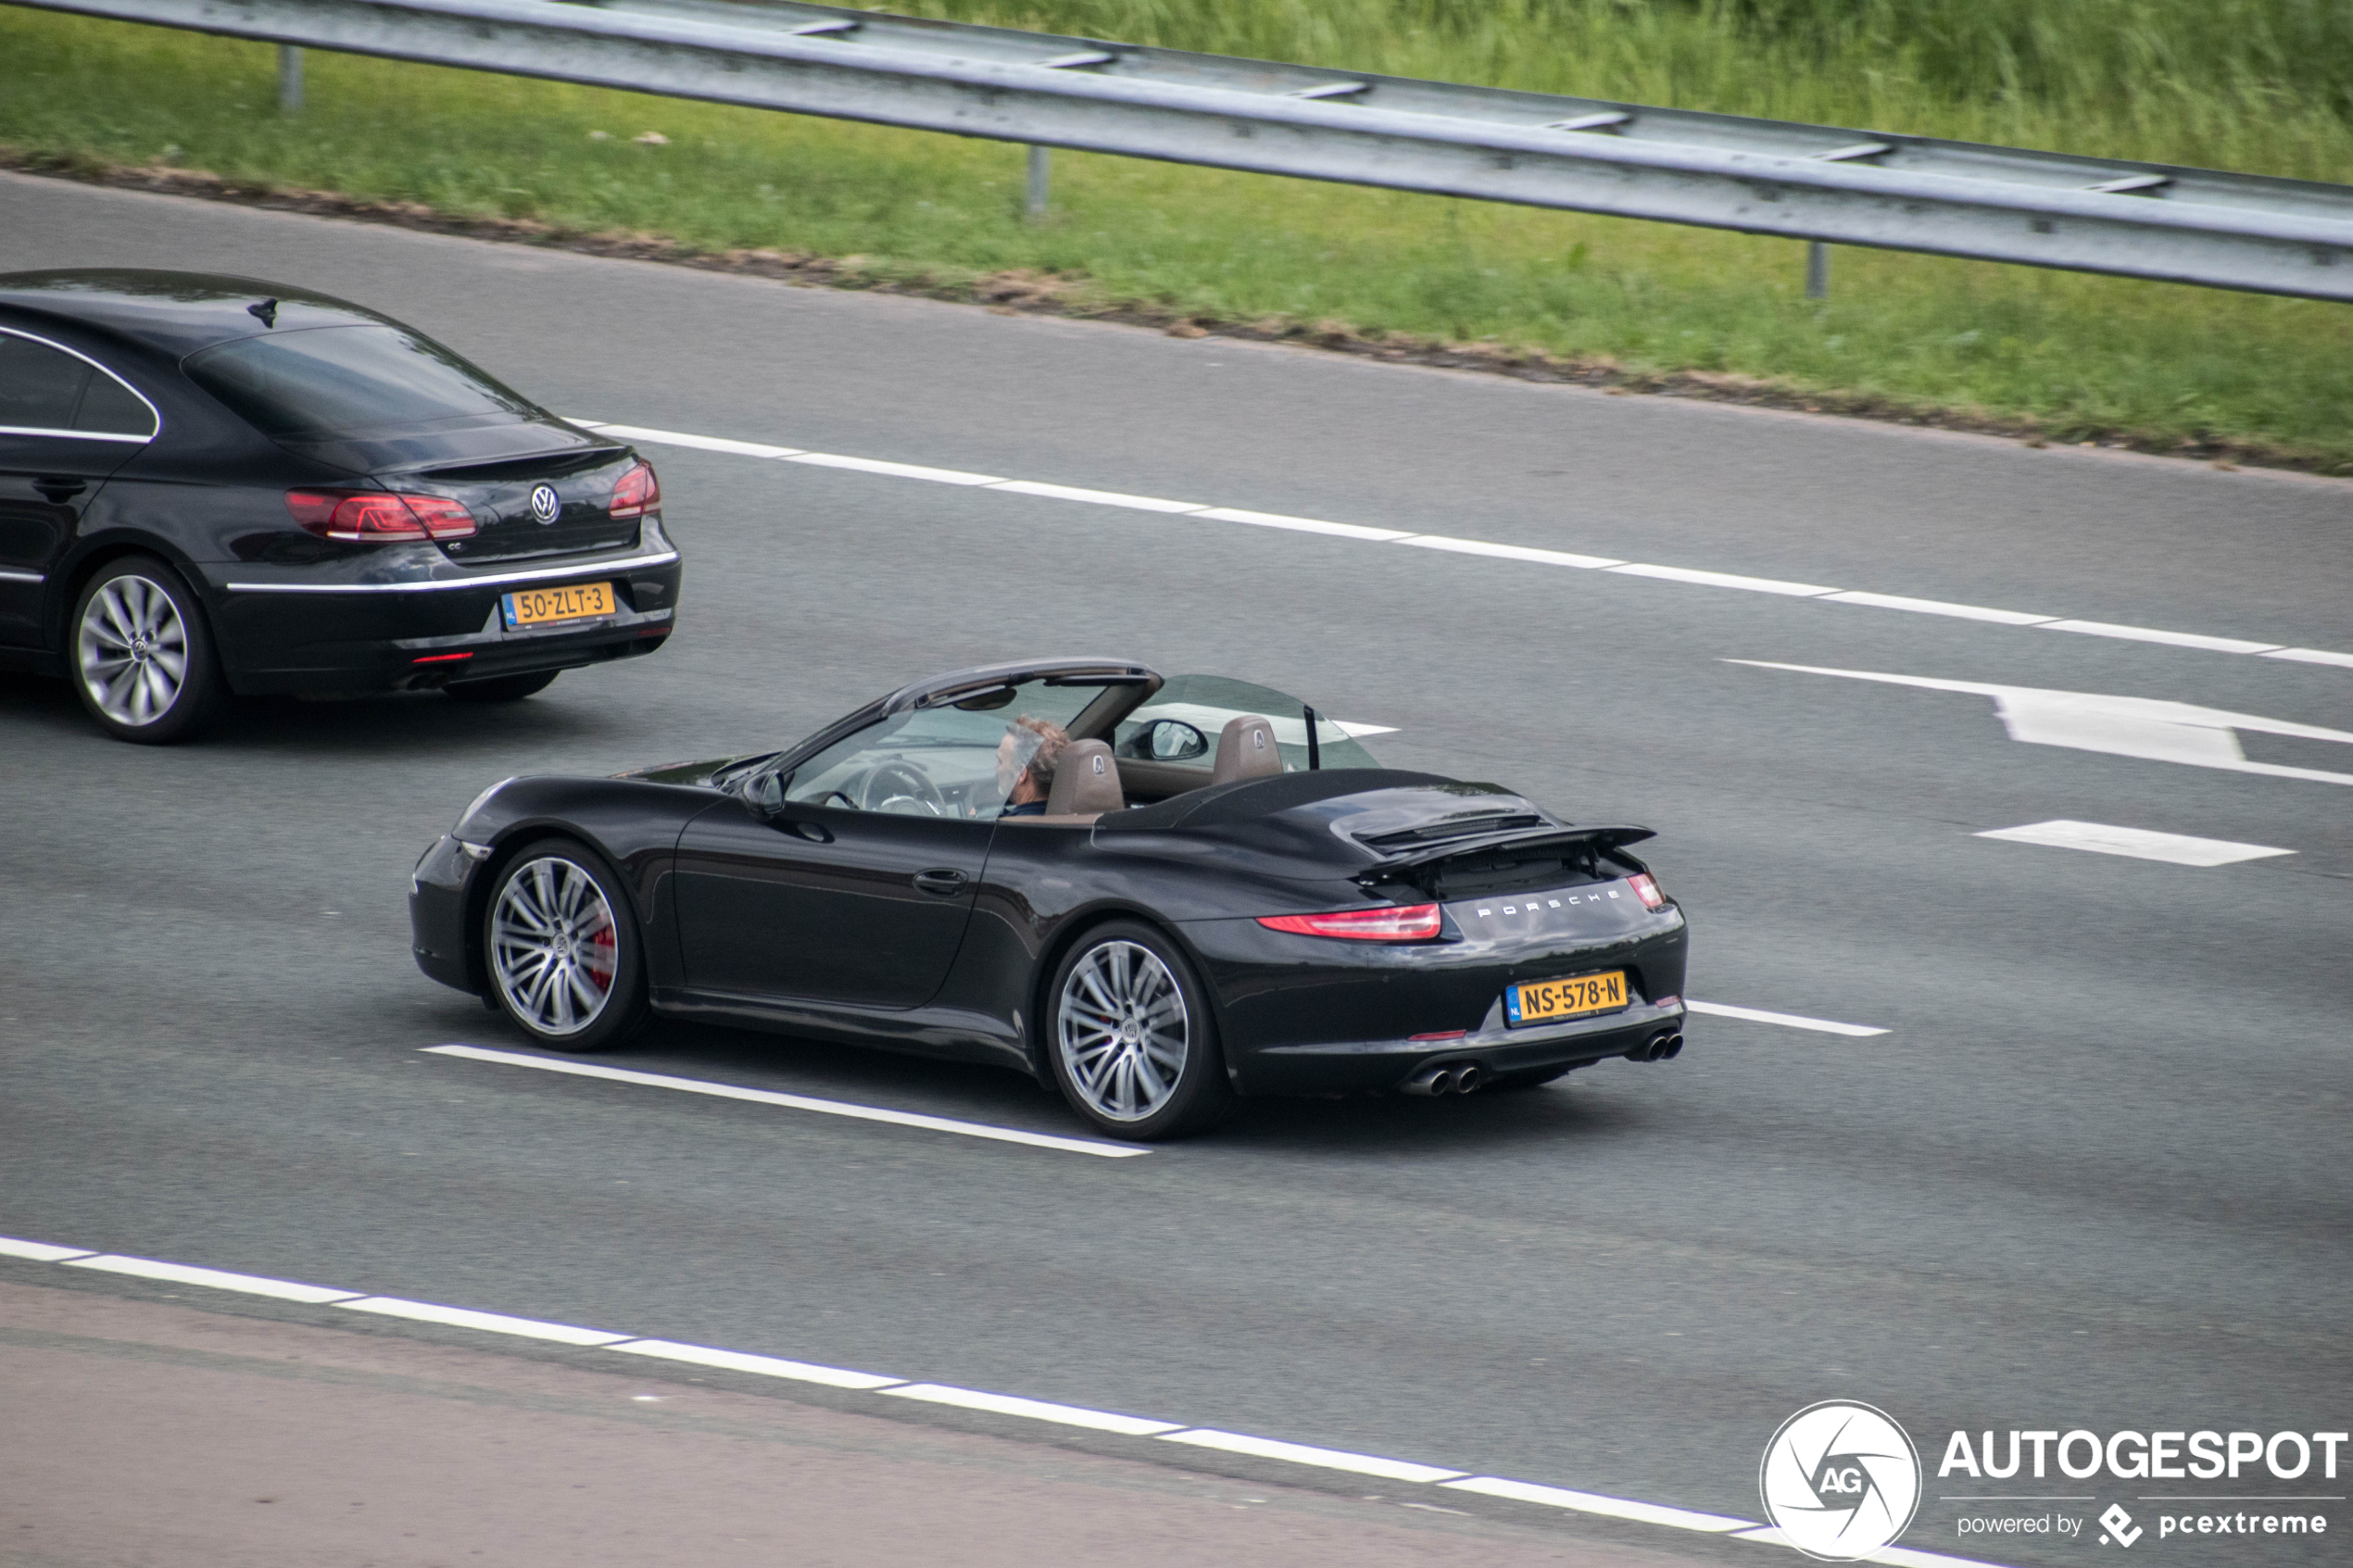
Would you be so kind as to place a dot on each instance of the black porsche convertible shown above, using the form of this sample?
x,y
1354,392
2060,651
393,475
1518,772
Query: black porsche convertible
x,y
1154,895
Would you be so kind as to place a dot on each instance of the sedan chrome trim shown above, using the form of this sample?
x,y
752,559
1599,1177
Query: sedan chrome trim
x,y
153,412
74,435
541,575
23,576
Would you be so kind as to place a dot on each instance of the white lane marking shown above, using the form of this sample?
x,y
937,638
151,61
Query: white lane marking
x,y
765,1366
1938,606
1723,580
488,1323
1508,552
1591,1502
40,1251
1036,1409
897,471
2141,727
1304,524
1896,1556
2179,848
1472,547
1098,498
795,1102
701,443
2176,639
1786,1019
180,1273
1299,1454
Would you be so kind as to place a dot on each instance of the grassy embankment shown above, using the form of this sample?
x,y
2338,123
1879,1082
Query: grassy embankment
x,y
2261,85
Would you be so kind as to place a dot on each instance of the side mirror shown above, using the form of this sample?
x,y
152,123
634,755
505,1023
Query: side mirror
x,y
766,794
1173,740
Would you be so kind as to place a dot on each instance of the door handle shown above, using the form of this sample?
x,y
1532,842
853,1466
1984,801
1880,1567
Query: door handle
x,y
945,883
816,832
60,491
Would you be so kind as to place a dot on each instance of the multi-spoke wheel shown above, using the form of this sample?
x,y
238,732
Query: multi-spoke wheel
x,y
1131,1038
141,655
562,950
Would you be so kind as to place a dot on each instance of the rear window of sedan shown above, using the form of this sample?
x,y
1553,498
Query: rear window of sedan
x,y
323,382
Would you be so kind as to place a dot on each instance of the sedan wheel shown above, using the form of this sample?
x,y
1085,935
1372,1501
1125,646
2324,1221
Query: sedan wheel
x,y
142,660
1133,1047
562,950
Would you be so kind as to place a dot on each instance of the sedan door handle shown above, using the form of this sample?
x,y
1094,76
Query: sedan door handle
x,y
945,883
61,490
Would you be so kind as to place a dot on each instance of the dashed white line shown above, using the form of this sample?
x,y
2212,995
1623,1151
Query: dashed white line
x,y
1300,1453
1819,593
798,1102
1243,1444
1032,1410
1786,1019
2103,839
182,1274
487,1323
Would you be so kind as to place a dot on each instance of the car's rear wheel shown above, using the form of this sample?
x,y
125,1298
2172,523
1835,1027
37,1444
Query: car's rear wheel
x,y
562,950
1130,1036
141,655
502,688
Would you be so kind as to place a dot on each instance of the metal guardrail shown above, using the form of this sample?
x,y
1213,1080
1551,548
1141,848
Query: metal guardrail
x,y
1761,177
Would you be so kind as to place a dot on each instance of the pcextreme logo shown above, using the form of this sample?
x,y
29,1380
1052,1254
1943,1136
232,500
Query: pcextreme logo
x,y
1840,1481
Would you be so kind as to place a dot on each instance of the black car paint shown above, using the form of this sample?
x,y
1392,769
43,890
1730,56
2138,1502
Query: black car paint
x,y
290,611
709,873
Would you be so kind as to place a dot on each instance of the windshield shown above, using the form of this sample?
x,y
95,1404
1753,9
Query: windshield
x,y
945,761
324,381
1206,703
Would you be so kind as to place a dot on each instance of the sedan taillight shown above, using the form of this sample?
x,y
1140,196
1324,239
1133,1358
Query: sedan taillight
x,y
639,493
1647,891
378,516
1412,922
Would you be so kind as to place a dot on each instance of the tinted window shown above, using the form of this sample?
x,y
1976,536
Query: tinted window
x,y
325,381
111,408
39,385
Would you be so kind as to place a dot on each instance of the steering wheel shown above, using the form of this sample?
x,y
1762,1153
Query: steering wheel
x,y
901,788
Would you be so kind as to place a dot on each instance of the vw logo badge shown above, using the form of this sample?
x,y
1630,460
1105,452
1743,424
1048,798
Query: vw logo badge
x,y
546,503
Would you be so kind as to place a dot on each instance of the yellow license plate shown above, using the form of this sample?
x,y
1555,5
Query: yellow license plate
x,y
538,606
1545,1001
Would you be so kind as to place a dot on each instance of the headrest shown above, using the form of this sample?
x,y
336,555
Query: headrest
x,y
1245,750
1086,780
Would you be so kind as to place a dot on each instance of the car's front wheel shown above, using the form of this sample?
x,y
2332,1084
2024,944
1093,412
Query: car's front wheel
x,y
561,948
141,655
1130,1036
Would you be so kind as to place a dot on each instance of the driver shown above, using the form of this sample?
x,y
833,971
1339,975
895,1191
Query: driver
x,y
1026,760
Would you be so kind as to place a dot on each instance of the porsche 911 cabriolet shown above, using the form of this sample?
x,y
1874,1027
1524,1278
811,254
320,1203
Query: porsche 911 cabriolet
x,y
1154,895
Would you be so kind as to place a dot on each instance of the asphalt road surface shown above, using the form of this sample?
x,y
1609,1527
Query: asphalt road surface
x,y
2092,1176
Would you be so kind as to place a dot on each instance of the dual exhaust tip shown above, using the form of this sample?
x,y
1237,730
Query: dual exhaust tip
x,y
1453,1078
1664,1045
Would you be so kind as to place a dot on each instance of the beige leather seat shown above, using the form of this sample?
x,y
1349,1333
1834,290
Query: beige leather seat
x,y
1086,786
1245,750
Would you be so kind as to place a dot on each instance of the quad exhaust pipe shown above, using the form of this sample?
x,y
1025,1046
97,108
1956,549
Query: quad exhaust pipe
x,y
1453,1078
1664,1045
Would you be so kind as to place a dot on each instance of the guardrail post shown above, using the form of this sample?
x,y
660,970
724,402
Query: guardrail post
x,y
1035,207
290,78
1817,270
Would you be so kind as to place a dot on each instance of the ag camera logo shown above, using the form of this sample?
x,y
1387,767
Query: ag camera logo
x,y
1840,1481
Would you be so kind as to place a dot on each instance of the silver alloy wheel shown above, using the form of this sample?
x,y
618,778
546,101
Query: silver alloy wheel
x,y
1122,1029
134,650
554,948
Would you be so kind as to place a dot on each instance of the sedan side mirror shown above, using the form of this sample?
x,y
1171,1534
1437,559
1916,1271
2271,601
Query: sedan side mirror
x,y
1173,740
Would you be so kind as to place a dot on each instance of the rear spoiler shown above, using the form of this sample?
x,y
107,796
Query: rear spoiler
x,y
1514,839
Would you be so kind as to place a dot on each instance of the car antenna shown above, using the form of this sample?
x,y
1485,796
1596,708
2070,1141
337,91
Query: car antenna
x,y
266,310
1314,752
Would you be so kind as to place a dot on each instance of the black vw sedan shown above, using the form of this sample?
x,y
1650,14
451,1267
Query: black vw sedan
x,y
1153,895
213,484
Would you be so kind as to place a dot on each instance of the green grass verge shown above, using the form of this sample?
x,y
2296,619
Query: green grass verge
x,y
2070,356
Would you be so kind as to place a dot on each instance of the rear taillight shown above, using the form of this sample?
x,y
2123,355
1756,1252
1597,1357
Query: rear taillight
x,y
377,516
1412,922
639,493
1647,891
